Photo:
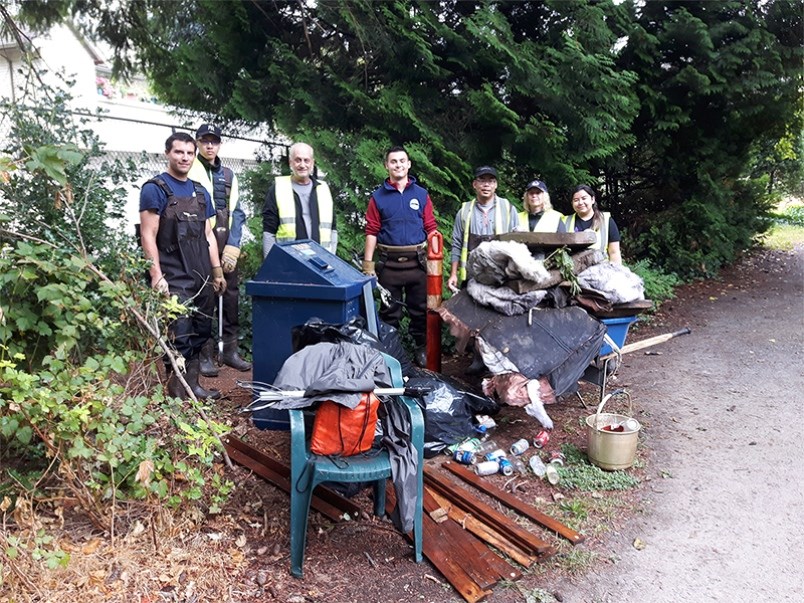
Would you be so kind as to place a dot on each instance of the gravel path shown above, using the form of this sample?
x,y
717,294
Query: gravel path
x,y
723,516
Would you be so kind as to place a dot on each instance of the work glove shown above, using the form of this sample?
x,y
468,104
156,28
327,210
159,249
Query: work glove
x,y
218,282
368,268
229,258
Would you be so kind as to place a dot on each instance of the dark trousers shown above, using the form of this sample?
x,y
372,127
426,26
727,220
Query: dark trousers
x,y
231,320
189,333
408,284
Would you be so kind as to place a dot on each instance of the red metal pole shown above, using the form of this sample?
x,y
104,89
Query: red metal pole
x,y
435,283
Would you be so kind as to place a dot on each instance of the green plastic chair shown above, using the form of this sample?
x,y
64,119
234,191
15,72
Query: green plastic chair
x,y
307,470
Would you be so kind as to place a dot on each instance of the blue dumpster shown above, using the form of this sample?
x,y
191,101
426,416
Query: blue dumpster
x,y
297,281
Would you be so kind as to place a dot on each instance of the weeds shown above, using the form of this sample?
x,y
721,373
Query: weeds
x,y
579,474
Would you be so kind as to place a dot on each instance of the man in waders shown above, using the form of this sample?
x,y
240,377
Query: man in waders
x,y
178,239
398,219
227,225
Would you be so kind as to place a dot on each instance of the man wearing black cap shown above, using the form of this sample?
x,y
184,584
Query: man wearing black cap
x,y
539,215
479,220
221,184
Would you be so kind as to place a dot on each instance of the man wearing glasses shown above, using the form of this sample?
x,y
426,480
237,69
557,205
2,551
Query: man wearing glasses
x,y
227,225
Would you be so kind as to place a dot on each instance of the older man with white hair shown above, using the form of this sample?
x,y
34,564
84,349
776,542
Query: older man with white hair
x,y
299,206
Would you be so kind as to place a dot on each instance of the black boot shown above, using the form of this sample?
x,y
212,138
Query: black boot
x,y
207,358
175,388
231,357
193,371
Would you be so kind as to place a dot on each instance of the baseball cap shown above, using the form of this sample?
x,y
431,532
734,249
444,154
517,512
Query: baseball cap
x,y
536,184
208,130
485,170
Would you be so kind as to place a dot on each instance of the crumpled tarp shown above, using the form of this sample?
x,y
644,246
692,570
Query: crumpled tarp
x,y
331,371
495,262
556,343
503,299
614,282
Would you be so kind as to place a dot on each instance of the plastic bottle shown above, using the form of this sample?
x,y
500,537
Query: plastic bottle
x,y
537,466
552,474
487,446
518,465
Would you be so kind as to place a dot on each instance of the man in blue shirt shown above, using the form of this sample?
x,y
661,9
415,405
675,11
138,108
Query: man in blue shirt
x,y
178,239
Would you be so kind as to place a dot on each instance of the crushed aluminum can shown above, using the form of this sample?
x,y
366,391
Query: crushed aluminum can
x,y
487,468
494,455
506,467
557,458
465,457
519,446
541,439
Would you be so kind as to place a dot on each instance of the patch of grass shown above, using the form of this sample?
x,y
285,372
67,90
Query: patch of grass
x,y
578,561
575,507
579,474
783,237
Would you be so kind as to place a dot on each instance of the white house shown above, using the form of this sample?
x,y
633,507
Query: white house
x,y
132,122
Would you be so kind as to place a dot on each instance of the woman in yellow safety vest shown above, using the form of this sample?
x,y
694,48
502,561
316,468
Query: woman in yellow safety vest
x,y
539,215
588,216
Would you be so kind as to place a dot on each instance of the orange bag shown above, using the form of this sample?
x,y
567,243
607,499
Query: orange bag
x,y
343,431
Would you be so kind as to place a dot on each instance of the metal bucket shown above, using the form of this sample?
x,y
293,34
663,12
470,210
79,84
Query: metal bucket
x,y
607,449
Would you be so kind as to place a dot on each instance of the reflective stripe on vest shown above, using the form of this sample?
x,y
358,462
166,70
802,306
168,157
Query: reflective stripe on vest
x,y
286,205
547,223
468,211
602,235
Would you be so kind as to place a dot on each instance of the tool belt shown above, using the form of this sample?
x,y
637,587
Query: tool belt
x,y
402,256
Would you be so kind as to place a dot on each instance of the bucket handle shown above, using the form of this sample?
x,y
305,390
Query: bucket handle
x,y
616,392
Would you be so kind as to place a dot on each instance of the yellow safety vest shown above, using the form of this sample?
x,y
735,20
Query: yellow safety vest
x,y
286,205
602,235
500,227
547,223
199,173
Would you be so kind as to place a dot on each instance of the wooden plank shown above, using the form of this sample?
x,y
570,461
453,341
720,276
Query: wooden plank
x,y
514,503
322,492
466,500
551,240
486,533
442,558
331,512
479,561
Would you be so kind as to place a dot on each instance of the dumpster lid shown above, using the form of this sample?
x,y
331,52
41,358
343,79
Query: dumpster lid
x,y
305,262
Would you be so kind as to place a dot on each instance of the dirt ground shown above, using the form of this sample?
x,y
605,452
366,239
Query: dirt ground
x,y
722,517
717,515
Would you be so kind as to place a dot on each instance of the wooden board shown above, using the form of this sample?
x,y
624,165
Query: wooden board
x,y
469,502
514,503
437,550
470,523
551,240
483,564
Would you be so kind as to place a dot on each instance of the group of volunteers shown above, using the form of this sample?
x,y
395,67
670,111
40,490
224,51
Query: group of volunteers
x,y
192,223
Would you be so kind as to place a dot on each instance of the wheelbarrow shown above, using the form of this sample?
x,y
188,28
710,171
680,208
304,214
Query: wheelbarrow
x,y
608,360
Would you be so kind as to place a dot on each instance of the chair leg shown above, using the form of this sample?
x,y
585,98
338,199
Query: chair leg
x,y
379,497
299,511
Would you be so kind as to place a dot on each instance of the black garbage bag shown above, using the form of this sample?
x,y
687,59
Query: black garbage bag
x,y
316,330
448,409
